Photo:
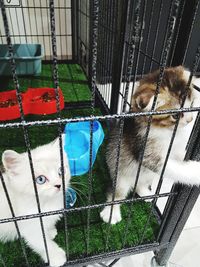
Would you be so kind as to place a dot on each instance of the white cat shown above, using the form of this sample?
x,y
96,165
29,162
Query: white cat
x,y
171,94
18,180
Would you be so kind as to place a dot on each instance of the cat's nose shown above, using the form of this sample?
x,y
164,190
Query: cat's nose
x,y
58,186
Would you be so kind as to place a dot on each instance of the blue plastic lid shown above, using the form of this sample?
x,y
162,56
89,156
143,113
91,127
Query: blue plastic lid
x,y
70,197
77,145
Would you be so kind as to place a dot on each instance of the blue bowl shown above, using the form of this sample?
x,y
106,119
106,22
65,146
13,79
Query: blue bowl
x,y
77,145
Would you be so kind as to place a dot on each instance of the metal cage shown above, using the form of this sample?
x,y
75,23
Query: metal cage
x,y
115,42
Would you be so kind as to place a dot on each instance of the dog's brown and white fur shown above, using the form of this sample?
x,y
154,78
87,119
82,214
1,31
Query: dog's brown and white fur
x,y
171,94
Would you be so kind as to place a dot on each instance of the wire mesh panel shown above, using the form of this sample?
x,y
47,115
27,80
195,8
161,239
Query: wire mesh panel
x,y
153,26
29,23
106,34
185,47
117,44
83,32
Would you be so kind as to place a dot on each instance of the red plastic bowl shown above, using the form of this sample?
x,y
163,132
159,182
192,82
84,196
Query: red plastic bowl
x,y
12,111
42,101
39,101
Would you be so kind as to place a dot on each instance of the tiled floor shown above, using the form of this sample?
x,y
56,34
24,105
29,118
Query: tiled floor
x,y
187,250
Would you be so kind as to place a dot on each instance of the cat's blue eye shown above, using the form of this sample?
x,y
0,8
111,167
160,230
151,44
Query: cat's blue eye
x,y
41,179
60,171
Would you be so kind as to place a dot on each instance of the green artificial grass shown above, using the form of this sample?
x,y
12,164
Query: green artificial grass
x,y
72,81
100,233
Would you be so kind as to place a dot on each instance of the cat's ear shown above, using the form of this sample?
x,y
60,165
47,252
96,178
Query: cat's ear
x,y
144,99
10,159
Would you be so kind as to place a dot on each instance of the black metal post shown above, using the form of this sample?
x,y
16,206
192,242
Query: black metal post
x,y
74,22
119,52
185,31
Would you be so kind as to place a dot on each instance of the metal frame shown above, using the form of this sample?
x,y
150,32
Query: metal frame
x,y
124,38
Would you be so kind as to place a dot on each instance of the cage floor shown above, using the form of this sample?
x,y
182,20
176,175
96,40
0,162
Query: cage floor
x,y
102,237
72,81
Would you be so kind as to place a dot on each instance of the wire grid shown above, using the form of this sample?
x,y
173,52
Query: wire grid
x,y
94,7
83,33
135,39
29,23
148,50
165,54
195,10
107,21
56,84
163,63
164,58
26,137
148,54
136,31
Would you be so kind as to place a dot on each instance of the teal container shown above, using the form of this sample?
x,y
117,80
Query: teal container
x,y
27,57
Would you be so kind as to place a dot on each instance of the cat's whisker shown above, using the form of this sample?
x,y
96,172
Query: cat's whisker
x,y
80,192
77,183
79,195
78,189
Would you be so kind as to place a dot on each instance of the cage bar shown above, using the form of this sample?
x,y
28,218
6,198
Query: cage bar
x,y
113,44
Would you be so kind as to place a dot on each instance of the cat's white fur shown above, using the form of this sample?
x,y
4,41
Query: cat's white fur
x,y
18,180
177,170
